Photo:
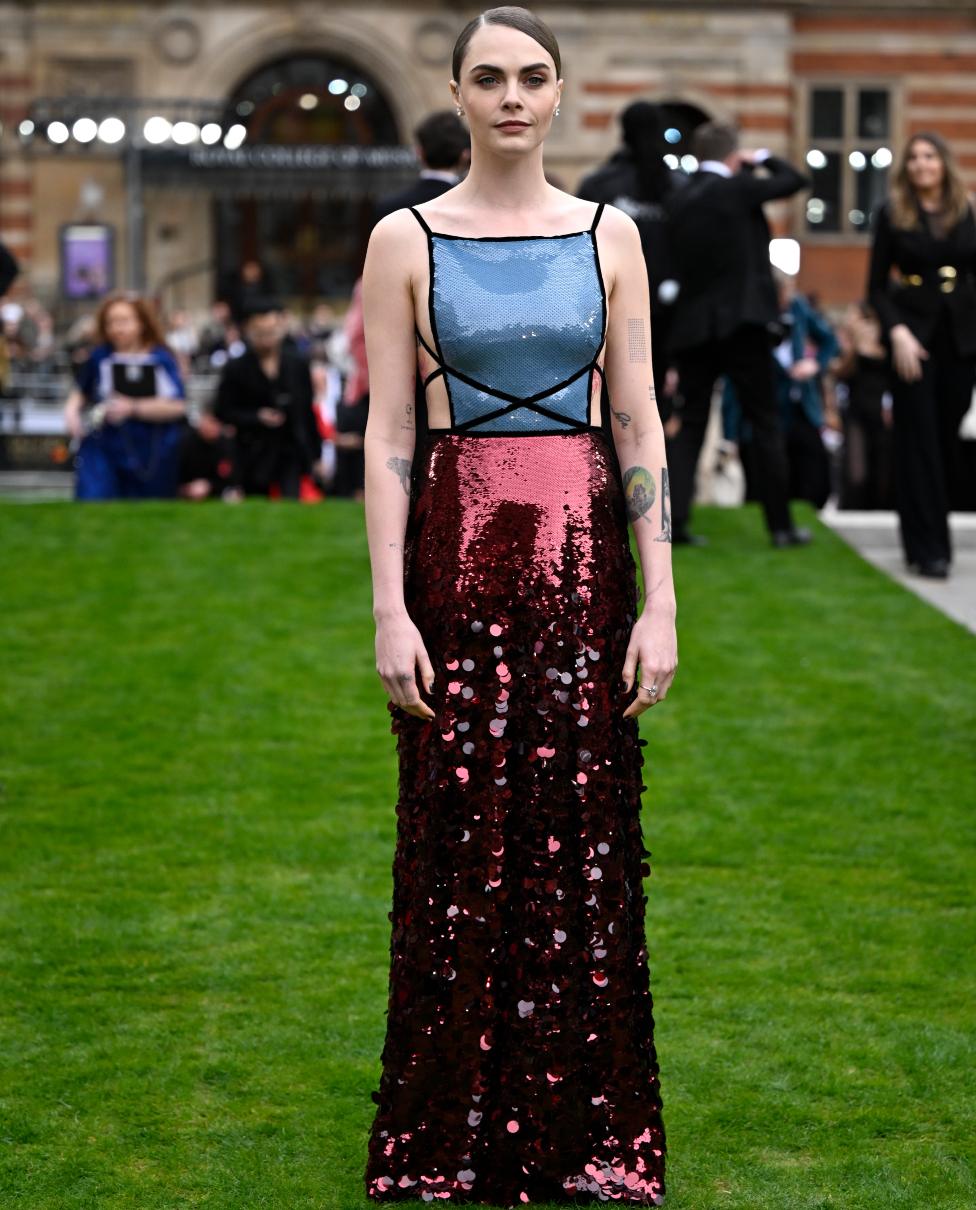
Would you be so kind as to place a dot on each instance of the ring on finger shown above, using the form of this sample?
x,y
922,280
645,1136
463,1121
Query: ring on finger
x,y
651,689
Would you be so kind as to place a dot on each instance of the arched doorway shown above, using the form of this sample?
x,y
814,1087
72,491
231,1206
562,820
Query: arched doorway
x,y
307,226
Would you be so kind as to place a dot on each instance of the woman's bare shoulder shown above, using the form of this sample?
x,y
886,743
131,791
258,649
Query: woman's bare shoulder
x,y
619,226
398,232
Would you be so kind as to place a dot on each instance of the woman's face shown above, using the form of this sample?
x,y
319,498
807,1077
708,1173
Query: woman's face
x,y
123,326
508,90
924,166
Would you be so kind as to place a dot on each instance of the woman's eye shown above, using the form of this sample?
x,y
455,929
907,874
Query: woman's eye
x,y
536,80
487,79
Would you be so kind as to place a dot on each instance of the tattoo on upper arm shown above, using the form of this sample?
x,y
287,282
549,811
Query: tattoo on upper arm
x,y
636,340
665,534
622,417
639,491
401,468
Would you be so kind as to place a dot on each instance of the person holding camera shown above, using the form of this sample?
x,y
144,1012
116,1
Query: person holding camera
x,y
726,316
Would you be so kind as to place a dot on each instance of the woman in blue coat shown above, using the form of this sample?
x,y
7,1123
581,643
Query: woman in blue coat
x,y
128,410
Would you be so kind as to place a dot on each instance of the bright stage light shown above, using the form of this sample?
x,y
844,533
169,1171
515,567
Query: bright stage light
x,y
185,133
157,130
58,133
784,254
235,137
111,130
84,130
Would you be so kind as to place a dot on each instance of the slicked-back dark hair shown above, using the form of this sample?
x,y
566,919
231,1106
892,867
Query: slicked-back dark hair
x,y
522,19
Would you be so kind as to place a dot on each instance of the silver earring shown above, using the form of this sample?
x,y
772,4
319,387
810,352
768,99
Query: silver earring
x,y
556,113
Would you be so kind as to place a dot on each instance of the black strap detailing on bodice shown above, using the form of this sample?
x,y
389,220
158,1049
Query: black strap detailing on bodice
x,y
510,399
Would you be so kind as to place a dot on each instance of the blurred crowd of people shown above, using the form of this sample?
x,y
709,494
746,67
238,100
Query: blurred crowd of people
x,y
809,403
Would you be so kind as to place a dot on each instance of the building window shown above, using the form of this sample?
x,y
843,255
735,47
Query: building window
x,y
848,154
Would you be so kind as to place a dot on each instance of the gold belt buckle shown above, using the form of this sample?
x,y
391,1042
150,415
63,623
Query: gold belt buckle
x,y
911,279
948,274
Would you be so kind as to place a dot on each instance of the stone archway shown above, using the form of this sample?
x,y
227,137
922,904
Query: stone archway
x,y
307,226
246,47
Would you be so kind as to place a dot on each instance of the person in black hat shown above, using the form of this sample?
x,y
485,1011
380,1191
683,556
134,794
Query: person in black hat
x,y
726,315
266,394
638,181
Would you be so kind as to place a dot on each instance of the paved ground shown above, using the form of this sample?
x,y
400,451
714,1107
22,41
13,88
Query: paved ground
x,y
875,536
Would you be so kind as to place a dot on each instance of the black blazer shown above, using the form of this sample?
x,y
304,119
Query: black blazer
x,y
916,297
244,388
8,270
720,247
617,183
423,189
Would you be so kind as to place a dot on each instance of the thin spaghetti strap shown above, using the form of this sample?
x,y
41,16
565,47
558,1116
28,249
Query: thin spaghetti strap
x,y
597,216
420,219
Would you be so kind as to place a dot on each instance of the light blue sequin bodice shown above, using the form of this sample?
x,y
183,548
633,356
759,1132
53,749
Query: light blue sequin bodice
x,y
518,325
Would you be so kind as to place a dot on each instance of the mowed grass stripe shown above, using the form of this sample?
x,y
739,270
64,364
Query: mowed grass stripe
x,y
197,795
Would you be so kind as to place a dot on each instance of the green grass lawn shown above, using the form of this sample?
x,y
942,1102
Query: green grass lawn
x,y
198,787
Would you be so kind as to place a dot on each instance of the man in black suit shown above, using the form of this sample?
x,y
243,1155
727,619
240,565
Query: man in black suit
x,y
444,149
726,315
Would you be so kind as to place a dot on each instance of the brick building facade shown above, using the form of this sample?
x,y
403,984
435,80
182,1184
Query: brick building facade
x,y
839,86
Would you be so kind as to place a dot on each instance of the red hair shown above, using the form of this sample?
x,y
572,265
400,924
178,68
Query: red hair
x,y
149,322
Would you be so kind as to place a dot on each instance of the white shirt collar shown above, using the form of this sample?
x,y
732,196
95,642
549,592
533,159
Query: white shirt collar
x,y
438,174
715,166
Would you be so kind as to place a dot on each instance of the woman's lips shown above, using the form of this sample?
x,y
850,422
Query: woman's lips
x,y
513,125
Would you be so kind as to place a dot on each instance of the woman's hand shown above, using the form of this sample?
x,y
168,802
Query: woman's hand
x,y
907,353
119,408
400,652
654,646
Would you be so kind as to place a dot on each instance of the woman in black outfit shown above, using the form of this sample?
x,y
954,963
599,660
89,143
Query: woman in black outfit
x,y
926,231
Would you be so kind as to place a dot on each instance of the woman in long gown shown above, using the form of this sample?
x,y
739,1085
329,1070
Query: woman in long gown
x,y
519,1063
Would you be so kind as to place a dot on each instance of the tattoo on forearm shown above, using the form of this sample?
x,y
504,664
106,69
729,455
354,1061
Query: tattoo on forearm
x,y
401,468
622,417
408,420
639,492
665,534
636,340
395,546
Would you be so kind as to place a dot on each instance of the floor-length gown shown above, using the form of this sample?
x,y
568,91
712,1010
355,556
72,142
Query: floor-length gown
x,y
519,1063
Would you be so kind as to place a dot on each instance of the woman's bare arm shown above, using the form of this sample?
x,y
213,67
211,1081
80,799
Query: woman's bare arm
x,y
388,308
639,440
72,412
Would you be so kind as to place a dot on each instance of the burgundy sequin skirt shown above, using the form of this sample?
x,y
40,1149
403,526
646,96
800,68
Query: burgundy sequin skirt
x,y
519,1063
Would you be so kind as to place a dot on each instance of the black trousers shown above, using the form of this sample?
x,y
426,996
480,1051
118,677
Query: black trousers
x,y
926,415
746,358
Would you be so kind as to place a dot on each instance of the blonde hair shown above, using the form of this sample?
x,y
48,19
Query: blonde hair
x,y
904,201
